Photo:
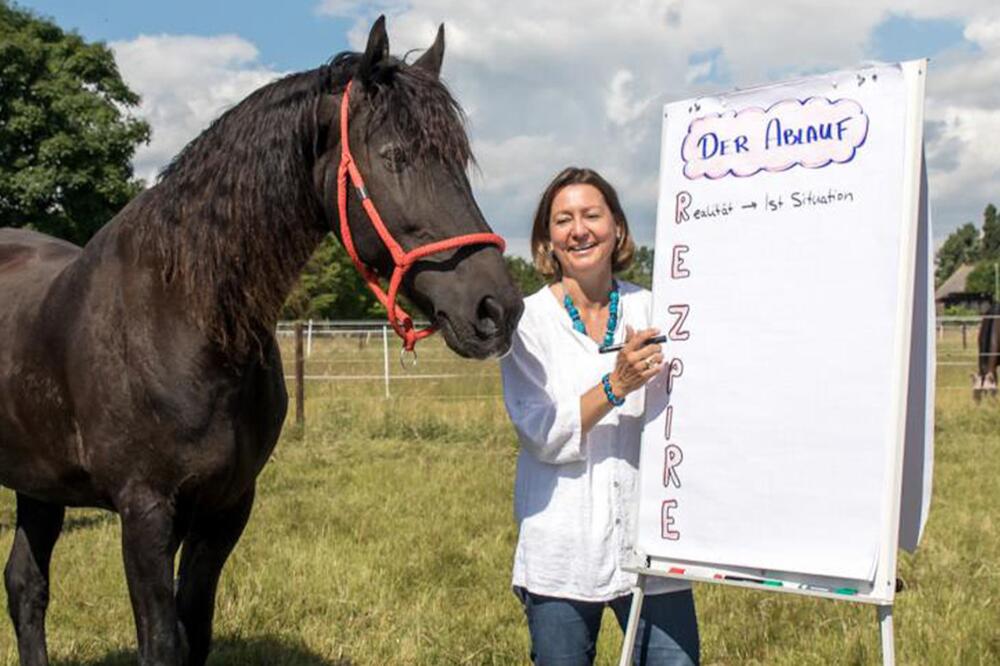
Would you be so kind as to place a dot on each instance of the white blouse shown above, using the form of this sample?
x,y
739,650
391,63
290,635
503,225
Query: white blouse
x,y
575,495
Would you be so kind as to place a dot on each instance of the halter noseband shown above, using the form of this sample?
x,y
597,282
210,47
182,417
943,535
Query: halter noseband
x,y
402,260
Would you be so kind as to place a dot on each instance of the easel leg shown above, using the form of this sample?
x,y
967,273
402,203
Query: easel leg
x,y
633,621
888,643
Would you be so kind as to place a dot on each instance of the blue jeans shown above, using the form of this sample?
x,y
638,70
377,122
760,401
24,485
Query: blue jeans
x,y
564,631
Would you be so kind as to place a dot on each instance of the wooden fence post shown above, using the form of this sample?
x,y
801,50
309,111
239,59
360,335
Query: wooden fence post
x,y
964,344
300,377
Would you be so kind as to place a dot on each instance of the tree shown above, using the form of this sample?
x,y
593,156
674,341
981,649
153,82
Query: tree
x,y
983,278
961,247
641,270
67,135
528,280
330,287
991,233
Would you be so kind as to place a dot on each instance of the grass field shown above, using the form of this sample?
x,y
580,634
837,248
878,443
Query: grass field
x,y
383,535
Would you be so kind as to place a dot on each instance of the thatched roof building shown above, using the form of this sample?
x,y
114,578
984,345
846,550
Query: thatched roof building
x,y
952,292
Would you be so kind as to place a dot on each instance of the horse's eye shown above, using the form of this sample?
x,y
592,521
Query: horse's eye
x,y
394,158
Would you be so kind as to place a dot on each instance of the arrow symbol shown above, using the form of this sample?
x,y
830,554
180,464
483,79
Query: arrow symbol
x,y
752,204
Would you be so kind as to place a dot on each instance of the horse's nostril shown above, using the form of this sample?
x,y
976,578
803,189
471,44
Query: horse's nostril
x,y
489,316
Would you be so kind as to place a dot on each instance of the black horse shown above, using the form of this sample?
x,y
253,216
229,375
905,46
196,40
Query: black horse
x,y
140,374
985,381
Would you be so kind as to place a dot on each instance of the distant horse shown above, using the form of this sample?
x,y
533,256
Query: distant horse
x,y
141,374
985,381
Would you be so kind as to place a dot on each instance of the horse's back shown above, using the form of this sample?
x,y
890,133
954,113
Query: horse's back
x,y
25,253
29,262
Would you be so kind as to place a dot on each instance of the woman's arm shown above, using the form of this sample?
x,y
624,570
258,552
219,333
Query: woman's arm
x,y
551,424
547,421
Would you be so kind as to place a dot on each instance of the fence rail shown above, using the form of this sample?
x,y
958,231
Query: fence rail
x,y
357,352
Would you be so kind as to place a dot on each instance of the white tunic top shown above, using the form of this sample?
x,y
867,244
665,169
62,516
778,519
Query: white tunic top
x,y
575,495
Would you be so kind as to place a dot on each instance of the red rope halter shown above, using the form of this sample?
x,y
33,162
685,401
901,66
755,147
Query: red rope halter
x,y
403,260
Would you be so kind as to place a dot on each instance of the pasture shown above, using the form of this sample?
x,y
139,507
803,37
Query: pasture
x,y
383,535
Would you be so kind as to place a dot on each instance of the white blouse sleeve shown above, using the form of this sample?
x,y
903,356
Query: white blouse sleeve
x,y
547,421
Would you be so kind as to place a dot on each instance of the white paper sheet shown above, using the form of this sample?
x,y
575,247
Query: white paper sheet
x,y
777,267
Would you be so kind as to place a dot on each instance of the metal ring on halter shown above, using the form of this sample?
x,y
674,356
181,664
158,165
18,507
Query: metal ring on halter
x,y
404,354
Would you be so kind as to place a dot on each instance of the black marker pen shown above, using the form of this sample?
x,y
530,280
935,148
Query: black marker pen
x,y
659,339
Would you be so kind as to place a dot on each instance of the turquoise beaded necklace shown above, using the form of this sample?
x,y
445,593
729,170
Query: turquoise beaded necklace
x,y
574,314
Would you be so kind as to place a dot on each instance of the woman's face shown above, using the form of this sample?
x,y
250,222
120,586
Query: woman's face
x,y
582,230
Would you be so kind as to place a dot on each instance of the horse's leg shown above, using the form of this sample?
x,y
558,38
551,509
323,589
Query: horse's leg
x,y
27,575
149,543
208,544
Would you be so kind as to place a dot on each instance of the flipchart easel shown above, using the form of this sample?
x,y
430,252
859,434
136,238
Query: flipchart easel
x,y
905,495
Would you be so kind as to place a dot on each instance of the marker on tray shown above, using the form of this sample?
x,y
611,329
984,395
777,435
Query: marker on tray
x,y
743,579
848,591
658,340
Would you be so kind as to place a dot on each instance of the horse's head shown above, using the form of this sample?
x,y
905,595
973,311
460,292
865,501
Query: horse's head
x,y
408,141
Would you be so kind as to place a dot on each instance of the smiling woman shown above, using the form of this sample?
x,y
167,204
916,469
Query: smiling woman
x,y
578,416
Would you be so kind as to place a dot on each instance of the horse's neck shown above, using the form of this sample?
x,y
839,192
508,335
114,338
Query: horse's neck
x,y
233,280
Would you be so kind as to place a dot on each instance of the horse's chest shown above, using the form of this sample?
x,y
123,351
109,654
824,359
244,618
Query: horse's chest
x,y
233,448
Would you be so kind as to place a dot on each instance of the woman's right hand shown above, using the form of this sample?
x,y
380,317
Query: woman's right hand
x,y
636,363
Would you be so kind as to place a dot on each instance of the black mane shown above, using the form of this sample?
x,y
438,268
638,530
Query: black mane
x,y
235,215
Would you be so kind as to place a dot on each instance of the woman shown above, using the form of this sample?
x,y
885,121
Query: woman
x,y
578,415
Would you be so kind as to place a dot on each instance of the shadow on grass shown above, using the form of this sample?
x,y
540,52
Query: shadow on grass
x,y
264,651
75,522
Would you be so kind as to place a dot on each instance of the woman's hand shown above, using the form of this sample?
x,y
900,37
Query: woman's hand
x,y
636,363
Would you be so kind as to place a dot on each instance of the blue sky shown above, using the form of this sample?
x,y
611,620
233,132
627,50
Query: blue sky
x,y
290,34
546,86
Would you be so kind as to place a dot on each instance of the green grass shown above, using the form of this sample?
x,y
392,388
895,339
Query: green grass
x,y
383,535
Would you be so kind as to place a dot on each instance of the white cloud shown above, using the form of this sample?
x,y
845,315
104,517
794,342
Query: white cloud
x,y
547,84
963,104
550,84
620,105
698,71
185,83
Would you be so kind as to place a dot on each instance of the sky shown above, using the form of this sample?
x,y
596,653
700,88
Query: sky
x,y
547,84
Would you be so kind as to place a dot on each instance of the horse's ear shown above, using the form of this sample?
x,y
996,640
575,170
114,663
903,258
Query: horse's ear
x,y
376,52
432,57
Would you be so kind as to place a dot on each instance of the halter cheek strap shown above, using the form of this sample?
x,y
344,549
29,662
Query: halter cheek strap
x,y
400,321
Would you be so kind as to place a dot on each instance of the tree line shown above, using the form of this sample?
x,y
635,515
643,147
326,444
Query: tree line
x,y
971,245
331,288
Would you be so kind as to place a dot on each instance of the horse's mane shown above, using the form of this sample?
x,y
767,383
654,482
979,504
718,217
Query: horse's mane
x,y
234,217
